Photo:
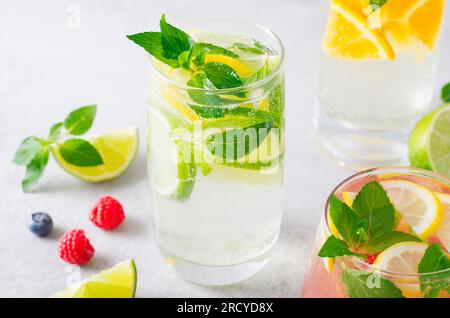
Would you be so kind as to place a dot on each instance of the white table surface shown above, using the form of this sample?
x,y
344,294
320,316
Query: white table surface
x,y
47,69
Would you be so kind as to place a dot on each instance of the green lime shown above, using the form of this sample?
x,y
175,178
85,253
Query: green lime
x,y
116,282
429,143
172,172
118,150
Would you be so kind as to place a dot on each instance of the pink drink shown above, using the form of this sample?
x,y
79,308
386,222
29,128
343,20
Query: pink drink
x,y
323,281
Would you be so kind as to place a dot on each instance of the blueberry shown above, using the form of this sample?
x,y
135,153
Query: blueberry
x,y
40,223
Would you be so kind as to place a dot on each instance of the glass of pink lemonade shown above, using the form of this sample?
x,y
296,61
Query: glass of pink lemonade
x,y
385,233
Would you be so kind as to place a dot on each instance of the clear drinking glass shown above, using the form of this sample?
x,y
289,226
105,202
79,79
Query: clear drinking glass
x,y
216,172
324,278
376,78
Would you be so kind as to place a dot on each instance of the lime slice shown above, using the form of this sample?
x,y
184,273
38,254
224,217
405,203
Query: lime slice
x,y
116,282
429,143
118,150
172,174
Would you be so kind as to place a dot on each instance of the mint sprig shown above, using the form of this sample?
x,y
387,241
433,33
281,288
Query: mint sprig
x,y
176,48
34,152
367,226
369,285
435,260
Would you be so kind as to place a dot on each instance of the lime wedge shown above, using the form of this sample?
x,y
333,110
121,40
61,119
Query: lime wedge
x,y
118,150
116,282
429,143
172,174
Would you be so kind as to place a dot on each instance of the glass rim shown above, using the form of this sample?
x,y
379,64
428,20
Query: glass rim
x,y
227,91
408,170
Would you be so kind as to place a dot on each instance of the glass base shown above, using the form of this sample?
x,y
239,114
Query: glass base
x,y
215,275
359,150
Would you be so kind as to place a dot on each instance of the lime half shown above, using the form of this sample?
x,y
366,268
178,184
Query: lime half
x,y
429,143
172,173
116,282
118,150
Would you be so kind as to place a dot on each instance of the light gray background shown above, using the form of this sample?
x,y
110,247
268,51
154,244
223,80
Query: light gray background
x,y
47,69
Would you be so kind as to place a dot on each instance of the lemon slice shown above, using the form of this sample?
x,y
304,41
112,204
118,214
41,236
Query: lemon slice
x,y
116,282
348,36
118,150
327,262
348,197
443,232
240,68
402,258
418,205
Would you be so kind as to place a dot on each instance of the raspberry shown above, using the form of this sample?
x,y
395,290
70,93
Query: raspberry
x,y
75,248
371,258
107,213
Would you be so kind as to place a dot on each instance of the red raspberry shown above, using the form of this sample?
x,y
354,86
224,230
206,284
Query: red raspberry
x,y
371,258
107,213
75,248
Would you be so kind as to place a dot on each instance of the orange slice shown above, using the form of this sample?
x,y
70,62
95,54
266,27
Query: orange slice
x,y
348,35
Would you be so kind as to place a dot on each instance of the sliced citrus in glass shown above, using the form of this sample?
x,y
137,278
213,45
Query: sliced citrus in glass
x,y
242,69
116,282
429,143
418,205
402,258
348,36
443,232
419,18
172,172
117,149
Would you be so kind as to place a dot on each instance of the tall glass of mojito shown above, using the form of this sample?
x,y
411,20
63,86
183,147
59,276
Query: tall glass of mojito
x,y
385,233
376,77
215,146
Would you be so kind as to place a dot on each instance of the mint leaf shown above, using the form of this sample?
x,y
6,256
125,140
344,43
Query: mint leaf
x,y
372,204
151,42
434,260
262,47
248,48
362,285
55,132
27,150
445,93
223,76
238,142
173,40
376,4
183,60
260,74
35,169
200,80
383,240
81,153
257,48
350,227
334,247
80,120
